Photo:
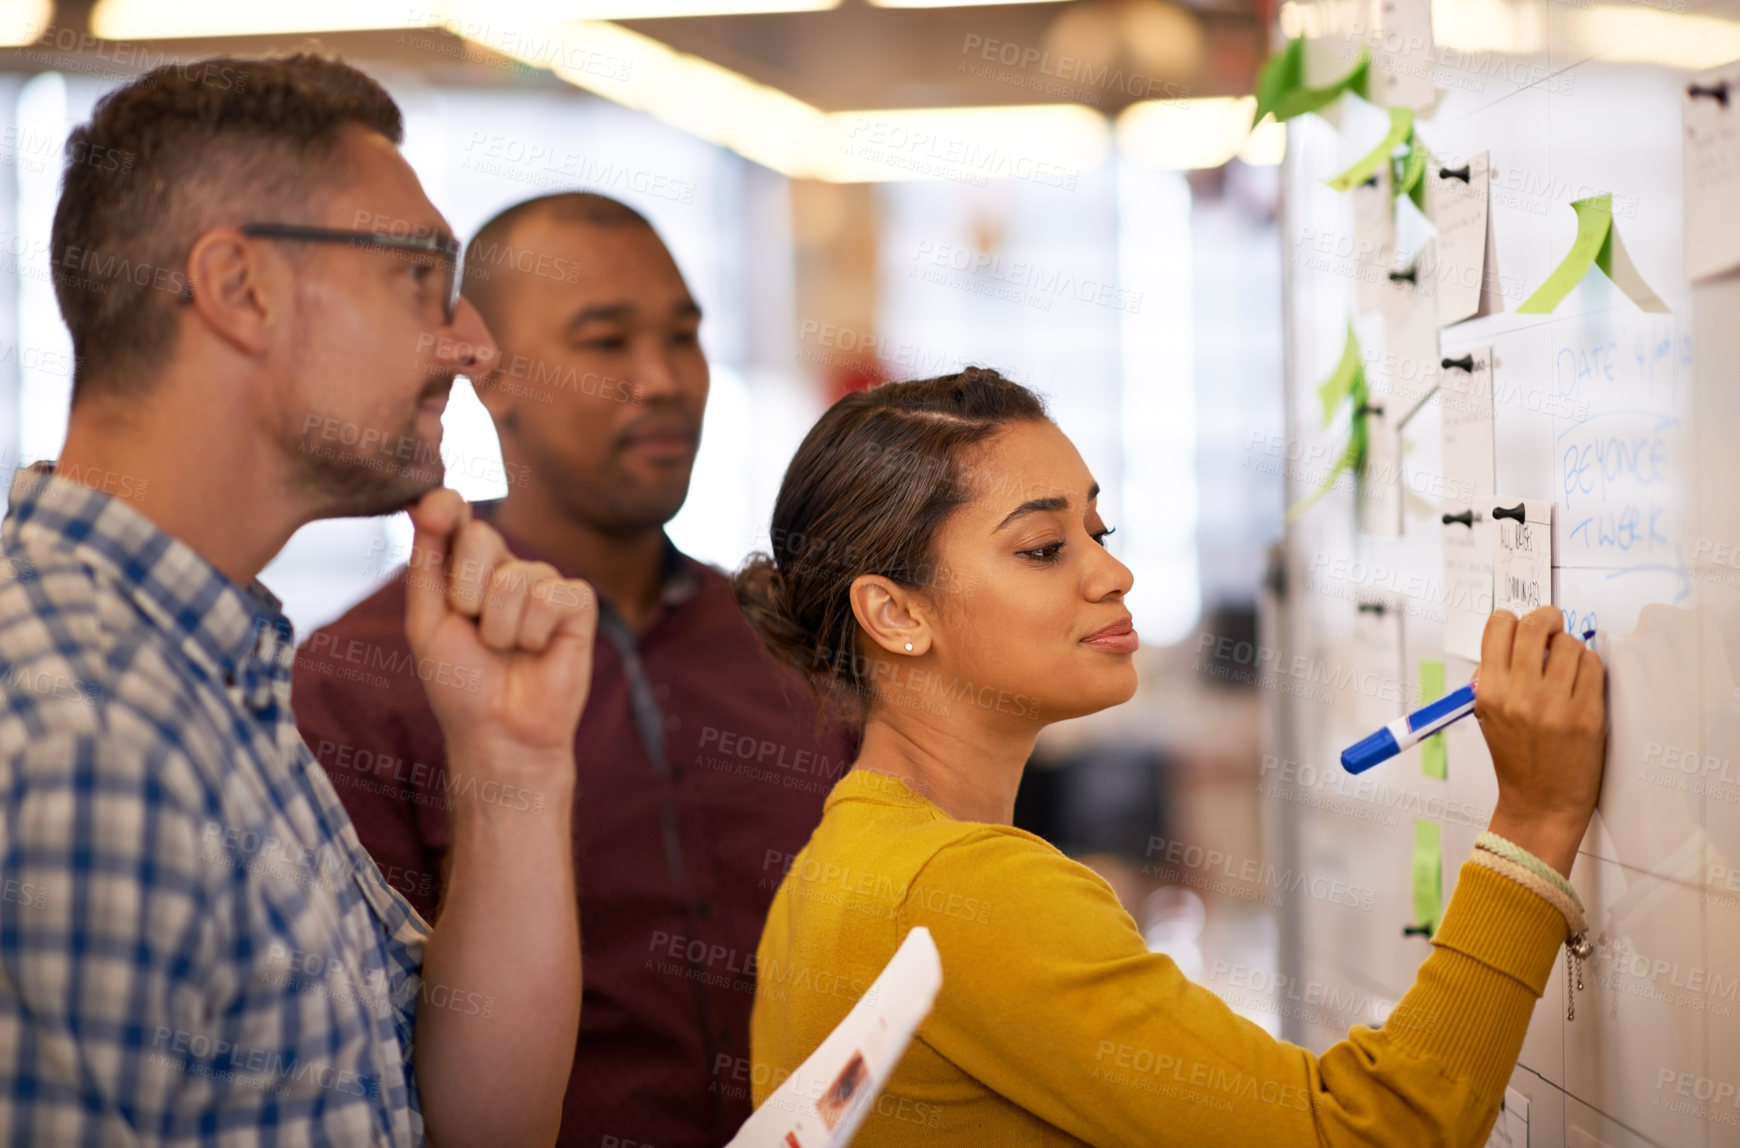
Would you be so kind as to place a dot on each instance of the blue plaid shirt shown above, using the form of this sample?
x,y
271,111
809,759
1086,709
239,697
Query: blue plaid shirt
x,y
194,948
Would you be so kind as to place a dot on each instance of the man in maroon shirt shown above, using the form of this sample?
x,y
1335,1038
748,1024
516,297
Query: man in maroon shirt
x,y
700,766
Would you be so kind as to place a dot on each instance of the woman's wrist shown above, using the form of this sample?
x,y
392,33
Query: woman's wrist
x,y
1554,839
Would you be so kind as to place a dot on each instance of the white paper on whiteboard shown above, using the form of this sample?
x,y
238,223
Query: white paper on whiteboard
x,y
1465,422
1374,239
1522,554
823,1102
1459,210
1404,55
1491,288
1380,487
1711,156
1467,579
1409,372
1377,635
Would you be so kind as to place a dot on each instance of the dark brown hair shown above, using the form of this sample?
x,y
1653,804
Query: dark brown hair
x,y
868,490
182,149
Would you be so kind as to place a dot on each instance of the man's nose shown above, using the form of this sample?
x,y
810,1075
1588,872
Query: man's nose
x,y
655,372
470,349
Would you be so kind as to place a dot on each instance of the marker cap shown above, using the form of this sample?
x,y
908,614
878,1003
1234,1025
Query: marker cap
x,y
1362,755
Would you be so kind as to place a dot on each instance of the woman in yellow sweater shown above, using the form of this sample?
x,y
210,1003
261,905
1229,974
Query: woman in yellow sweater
x,y
938,562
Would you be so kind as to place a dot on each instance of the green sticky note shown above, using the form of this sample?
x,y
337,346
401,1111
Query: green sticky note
x,y
1281,84
1401,127
1435,757
1410,171
1347,382
1594,226
1428,875
1340,384
1352,460
1597,244
1434,753
1282,73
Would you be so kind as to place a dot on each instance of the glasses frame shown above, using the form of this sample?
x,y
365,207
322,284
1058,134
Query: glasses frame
x,y
445,246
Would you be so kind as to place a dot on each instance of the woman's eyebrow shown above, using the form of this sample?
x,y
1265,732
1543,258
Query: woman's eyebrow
x,y
1034,505
1030,506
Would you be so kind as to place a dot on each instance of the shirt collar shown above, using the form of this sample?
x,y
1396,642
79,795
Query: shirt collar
x,y
880,788
237,635
680,581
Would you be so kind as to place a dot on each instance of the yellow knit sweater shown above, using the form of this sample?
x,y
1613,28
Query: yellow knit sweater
x,y
1057,1026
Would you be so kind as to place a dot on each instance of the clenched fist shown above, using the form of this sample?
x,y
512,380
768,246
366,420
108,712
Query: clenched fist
x,y
514,637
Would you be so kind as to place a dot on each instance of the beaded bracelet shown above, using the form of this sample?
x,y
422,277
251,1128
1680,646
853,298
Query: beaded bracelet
x,y
1513,861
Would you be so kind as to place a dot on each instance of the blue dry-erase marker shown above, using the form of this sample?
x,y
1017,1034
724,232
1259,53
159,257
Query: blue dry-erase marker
x,y
1407,732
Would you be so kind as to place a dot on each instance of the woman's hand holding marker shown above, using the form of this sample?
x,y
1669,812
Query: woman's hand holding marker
x,y
1542,708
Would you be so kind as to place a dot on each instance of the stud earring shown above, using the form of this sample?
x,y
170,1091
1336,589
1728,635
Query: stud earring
x,y
909,647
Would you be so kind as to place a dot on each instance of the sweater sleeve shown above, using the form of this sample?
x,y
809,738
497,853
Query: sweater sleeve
x,y
1052,999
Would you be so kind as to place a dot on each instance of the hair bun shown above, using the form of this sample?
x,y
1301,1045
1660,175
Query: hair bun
x,y
762,596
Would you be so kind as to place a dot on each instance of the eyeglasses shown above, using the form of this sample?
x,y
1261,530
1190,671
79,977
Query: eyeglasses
x,y
440,253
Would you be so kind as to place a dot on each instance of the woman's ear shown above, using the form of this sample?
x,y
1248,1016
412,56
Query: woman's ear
x,y
891,614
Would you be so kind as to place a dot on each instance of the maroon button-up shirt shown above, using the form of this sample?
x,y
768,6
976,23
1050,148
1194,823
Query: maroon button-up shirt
x,y
699,773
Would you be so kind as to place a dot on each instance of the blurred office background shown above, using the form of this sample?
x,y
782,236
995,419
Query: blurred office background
x,y
1065,190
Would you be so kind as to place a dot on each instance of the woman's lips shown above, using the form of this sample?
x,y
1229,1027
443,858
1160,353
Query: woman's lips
x,y
1119,638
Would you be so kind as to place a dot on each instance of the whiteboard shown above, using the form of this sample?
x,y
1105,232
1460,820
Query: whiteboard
x,y
1630,423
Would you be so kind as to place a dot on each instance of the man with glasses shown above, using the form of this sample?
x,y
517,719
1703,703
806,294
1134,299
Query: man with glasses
x,y
194,947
